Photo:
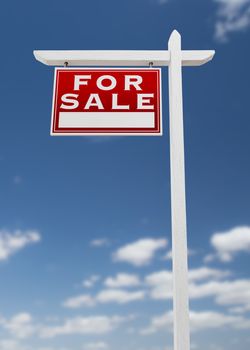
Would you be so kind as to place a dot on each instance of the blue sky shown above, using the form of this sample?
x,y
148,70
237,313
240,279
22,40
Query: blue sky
x,y
85,238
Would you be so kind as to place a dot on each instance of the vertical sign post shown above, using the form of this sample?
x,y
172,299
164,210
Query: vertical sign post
x,y
178,197
174,58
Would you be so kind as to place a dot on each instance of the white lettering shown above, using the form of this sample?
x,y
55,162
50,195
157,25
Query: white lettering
x,y
100,85
133,80
115,103
143,101
81,80
69,98
94,101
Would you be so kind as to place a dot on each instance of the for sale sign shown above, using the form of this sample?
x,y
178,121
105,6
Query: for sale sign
x,y
107,102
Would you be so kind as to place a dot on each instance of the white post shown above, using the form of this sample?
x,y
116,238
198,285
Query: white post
x,y
178,198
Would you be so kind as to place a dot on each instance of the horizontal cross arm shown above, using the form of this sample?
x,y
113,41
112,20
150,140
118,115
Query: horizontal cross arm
x,y
120,58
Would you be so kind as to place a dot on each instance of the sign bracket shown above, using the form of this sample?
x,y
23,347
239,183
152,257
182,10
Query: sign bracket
x,y
121,58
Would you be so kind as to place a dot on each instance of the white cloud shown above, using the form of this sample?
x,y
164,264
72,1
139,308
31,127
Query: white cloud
x,y
239,309
122,280
83,325
208,289
237,291
23,326
20,326
198,321
100,345
91,281
227,293
209,258
10,344
232,16
158,323
211,319
204,282
79,301
13,344
228,244
10,243
205,273
141,252
161,283
99,242
119,296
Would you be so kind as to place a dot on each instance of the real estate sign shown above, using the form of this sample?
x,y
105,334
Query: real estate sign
x,y
107,102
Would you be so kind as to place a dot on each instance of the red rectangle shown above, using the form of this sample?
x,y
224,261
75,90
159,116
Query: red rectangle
x,y
107,102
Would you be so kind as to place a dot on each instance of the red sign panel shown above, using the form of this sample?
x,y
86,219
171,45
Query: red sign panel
x,y
107,102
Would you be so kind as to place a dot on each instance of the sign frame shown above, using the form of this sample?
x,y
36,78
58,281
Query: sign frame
x,y
109,133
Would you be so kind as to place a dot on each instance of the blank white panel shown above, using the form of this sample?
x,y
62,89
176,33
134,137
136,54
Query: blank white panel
x,y
106,120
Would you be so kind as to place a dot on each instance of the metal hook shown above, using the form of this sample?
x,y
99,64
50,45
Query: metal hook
x,y
66,64
151,64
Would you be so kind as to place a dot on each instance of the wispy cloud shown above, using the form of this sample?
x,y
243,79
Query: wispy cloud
x,y
122,280
91,281
120,296
84,325
79,301
17,180
22,326
162,2
100,345
232,16
141,252
99,242
11,243
12,344
117,296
